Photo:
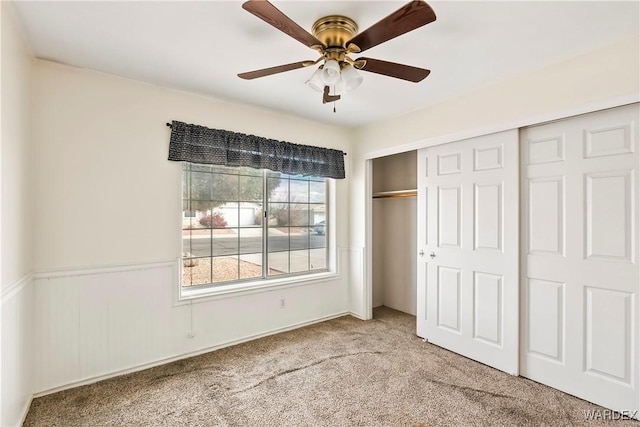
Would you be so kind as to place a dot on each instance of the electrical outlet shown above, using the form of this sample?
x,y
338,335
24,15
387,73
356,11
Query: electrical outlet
x,y
283,303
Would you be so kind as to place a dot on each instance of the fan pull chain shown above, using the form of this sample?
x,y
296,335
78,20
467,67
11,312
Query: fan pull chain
x,y
334,102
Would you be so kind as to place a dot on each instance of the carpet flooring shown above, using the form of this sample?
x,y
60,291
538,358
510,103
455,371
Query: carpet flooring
x,y
343,372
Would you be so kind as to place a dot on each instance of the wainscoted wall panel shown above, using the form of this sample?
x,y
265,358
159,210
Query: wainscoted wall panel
x,y
17,351
96,323
57,331
138,319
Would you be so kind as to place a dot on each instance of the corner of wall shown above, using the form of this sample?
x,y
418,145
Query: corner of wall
x,y
16,242
16,364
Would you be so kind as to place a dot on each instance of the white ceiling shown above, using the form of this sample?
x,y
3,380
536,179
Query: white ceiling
x,y
201,46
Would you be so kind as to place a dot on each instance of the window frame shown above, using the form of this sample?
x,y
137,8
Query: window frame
x,y
254,284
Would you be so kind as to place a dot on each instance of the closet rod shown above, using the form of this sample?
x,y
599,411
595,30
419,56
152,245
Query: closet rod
x,y
400,193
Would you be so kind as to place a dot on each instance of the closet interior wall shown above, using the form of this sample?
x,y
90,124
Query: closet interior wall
x,y
394,231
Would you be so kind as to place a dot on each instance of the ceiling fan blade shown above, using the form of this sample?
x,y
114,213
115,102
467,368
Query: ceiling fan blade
x,y
271,15
392,69
409,17
274,70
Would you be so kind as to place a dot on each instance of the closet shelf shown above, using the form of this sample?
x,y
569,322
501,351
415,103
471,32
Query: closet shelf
x,y
397,193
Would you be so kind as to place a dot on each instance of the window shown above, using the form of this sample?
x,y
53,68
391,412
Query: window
x,y
242,224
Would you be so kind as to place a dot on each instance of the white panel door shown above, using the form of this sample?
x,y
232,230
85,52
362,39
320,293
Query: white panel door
x,y
468,235
580,276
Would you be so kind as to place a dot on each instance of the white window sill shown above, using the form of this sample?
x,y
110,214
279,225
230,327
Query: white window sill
x,y
203,294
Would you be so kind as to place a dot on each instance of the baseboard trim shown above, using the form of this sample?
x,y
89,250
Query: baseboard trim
x,y
357,316
25,411
15,287
166,360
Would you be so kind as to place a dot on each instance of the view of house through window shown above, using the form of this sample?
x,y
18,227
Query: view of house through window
x,y
244,224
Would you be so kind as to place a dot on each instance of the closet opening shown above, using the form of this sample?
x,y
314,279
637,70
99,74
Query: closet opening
x,y
394,232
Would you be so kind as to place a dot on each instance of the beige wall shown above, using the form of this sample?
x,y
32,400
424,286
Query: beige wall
x,y
106,193
16,227
108,226
607,74
16,224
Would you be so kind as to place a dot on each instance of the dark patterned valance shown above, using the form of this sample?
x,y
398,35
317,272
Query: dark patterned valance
x,y
198,144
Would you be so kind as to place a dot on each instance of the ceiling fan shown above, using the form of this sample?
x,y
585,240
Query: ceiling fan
x,y
336,37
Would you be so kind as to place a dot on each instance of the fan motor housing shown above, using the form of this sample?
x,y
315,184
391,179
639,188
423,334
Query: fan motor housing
x,y
334,30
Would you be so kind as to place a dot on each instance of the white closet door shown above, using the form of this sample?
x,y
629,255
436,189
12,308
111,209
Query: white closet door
x,y
468,232
580,271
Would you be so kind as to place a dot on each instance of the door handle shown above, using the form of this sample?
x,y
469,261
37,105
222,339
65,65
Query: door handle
x,y
432,255
421,253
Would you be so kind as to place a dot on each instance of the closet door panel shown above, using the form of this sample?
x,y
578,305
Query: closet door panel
x,y
468,271
580,258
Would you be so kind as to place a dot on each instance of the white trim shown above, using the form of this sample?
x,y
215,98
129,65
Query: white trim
x,y
247,288
357,302
103,269
10,292
207,294
332,272
25,411
166,360
512,124
367,251
357,316
367,295
15,287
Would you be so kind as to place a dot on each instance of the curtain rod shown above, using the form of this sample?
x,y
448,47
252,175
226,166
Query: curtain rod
x,y
169,125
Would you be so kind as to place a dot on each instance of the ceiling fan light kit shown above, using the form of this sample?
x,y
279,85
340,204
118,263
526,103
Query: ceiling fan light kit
x,y
331,72
336,37
351,79
315,82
